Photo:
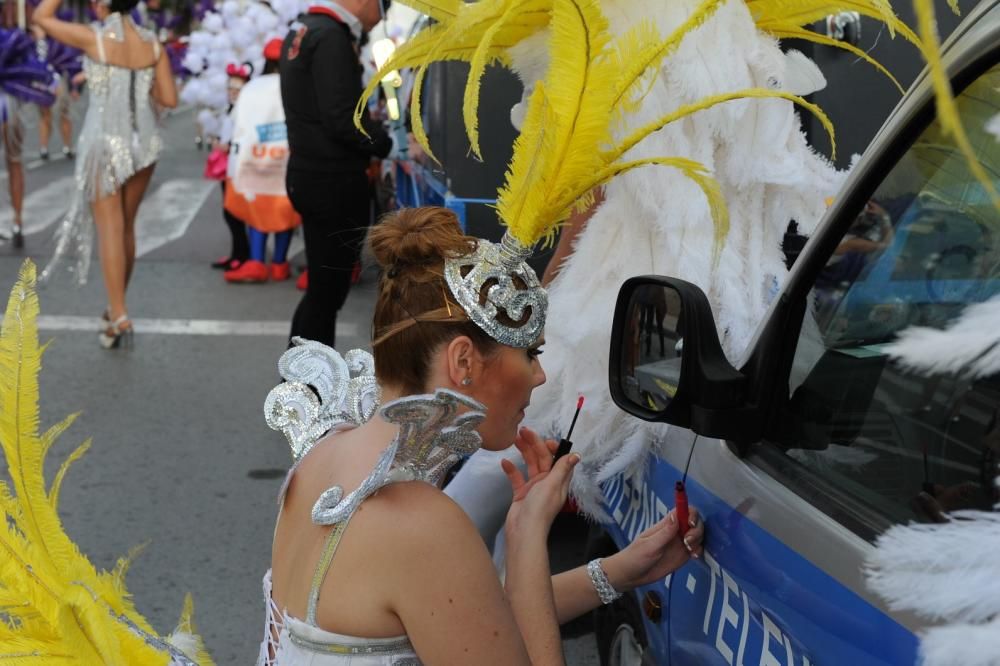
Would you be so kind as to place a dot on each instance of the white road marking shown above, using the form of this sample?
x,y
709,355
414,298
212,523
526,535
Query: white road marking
x,y
166,214
43,207
185,326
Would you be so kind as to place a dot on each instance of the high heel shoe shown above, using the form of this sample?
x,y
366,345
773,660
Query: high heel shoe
x,y
18,237
118,334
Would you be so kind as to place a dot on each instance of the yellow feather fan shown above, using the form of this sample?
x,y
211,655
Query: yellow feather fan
x,y
55,606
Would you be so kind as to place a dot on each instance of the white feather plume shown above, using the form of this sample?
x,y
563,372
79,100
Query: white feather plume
x,y
962,645
656,221
969,346
802,75
948,571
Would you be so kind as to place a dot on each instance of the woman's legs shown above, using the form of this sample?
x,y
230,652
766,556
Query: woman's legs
x,y
114,217
132,193
109,218
44,130
13,141
66,128
15,181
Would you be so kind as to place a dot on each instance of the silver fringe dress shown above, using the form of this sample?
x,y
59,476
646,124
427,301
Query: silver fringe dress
x,y
119,137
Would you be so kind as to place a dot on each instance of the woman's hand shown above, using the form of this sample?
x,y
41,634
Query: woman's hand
x,y
656,552
540,496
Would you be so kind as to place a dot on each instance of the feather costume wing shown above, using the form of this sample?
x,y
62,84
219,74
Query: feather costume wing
x,y
56,605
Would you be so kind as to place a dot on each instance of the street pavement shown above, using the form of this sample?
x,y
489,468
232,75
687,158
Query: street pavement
x,y
181,456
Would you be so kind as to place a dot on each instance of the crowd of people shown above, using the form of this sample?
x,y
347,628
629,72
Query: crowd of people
x,y
269,189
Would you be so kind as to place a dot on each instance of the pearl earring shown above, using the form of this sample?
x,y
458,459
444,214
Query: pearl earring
x,y
467,381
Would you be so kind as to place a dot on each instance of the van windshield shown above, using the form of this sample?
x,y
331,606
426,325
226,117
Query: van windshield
x,y
923,253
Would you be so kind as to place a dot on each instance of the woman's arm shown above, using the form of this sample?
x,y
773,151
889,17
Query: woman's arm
x,y
164,90
71,34
655,553
536,502
446,591
651,556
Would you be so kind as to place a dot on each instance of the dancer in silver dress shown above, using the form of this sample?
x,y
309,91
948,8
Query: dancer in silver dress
x,y
129,77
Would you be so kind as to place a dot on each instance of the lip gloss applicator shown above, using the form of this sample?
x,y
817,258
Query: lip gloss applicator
x,y
681,497
565,444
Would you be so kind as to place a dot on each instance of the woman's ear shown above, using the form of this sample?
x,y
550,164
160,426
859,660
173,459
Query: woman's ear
x,y
461,356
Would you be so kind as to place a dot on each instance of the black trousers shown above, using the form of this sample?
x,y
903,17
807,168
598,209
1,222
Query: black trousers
x,y
335,218
240,248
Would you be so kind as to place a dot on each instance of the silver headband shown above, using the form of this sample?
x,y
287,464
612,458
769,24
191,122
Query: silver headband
x,y
500,263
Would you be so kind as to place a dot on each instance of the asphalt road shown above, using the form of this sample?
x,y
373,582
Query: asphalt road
x,y
181,456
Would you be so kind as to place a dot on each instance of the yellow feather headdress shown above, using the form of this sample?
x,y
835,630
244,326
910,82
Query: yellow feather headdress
x,y
564,149
55,605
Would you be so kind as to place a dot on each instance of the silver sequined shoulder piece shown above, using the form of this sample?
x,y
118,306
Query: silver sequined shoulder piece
x,y
432,437
498,265
322,390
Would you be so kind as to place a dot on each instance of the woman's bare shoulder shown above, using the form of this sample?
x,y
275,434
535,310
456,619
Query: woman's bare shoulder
x,y
419,504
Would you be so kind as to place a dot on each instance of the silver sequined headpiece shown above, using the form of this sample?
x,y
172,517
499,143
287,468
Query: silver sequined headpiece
x,y
432,437
322,391
498,264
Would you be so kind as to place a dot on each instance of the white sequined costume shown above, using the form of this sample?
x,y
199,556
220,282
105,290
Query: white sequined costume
x,y
119,138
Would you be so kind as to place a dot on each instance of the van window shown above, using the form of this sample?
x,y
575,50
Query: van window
x,y
926,246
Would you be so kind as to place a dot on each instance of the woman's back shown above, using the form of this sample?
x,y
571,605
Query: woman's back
x,y
126,45
397,562
351,598
119,135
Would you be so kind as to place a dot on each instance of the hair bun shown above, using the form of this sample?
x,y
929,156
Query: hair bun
x,y
417,237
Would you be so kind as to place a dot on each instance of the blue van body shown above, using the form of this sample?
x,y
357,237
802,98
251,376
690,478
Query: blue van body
x,y
751,599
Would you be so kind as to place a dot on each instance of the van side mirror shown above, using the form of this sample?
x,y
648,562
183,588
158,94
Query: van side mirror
x,y
666,361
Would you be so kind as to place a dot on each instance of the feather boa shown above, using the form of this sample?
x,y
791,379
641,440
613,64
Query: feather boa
x,y
657,221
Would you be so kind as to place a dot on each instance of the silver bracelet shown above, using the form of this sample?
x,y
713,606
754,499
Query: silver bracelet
x,y
604,589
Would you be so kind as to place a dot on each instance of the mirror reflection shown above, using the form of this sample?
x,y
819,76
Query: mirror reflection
x,y
651,347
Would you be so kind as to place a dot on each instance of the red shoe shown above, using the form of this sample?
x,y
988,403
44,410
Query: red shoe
x,y
281,272
303,282
250,271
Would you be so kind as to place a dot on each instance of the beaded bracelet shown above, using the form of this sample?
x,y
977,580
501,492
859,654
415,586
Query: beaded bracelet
x,y
604,589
